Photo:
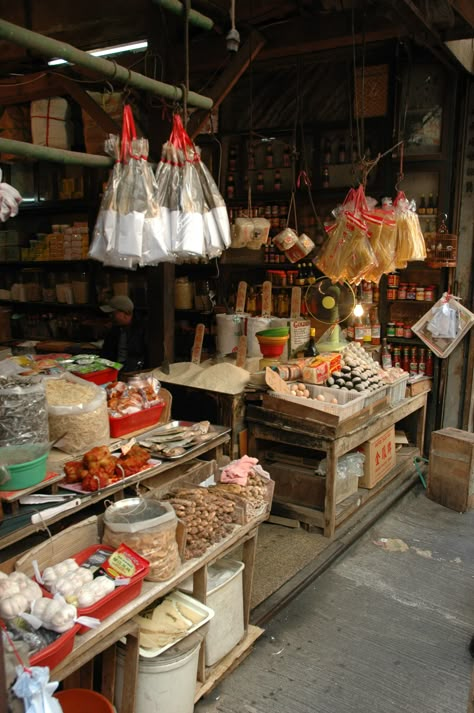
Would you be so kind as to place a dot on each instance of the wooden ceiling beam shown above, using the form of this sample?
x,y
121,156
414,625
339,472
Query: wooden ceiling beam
x,y
90,106
464,8
28,88
228,78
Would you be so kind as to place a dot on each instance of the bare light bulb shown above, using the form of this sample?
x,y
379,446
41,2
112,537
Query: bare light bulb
x,y
358,310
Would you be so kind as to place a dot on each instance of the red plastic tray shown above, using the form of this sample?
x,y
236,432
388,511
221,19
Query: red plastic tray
x,y
120,426
104,376
113,601
52,655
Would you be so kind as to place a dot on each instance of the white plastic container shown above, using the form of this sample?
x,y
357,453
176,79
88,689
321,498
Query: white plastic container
x,y
230,327
166,683
225,597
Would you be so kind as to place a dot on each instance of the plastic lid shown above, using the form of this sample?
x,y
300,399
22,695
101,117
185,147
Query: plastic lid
x,y
135,514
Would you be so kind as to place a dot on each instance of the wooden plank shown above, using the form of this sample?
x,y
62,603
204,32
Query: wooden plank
x,y
330,500
200,593
227,79
248,558
160,282
216,673
109,663
308,515
283,521
38,86
130,672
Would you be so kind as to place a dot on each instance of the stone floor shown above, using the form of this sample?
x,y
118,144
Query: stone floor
x,y
384,630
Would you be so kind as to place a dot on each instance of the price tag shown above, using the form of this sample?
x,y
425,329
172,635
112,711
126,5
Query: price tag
x,y
295,311
275,382
242,352
197,346
127,446
267,299
241,297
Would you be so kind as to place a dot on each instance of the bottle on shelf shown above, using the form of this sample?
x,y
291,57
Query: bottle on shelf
x,y
397,357
277,180
422,206
233,158
341,153
435,206
386,356
367,338
359,330
413,362
429,364
230,186
287,157
269,156
311,279
325,177
260,182
311,350
300,280
406,359
375,329
327,152
430,206
422,361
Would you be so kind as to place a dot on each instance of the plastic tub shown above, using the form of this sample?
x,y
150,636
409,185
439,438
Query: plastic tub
x,y
166,683
104,376
52,655
121,425
24,475
113,601
225,597
78,700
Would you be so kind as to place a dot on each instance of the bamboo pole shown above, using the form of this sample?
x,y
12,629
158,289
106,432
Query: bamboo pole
x,y
44,153
195,18
49,47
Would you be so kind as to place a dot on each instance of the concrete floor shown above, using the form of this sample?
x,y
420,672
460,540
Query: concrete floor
x,y
384,630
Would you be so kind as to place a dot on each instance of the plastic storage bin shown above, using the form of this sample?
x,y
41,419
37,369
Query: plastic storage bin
x,y
78,700
52,655
25,475
121,425
166,683
104,376
225,597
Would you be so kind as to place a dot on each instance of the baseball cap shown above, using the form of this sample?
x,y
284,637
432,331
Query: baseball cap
x,y
119,303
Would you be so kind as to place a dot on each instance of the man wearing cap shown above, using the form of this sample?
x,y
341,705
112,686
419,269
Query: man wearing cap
x,y
125,342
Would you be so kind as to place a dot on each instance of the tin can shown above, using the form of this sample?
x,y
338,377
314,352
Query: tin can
x,y
402,291
393,279
392,293
420,294
430,293
407,332
390,329
411,292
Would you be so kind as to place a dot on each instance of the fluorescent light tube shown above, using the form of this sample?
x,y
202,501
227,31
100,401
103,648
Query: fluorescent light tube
x,y
108,51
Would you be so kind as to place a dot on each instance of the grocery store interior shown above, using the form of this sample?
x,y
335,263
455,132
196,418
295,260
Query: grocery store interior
x,y
236,356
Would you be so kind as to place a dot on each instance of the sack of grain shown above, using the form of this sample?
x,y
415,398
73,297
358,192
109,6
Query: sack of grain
x,y
51,123
77,414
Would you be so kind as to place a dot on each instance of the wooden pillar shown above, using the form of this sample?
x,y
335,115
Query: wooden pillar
x,y
160,282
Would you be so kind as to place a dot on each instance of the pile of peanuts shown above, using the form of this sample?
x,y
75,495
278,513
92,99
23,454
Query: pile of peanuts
x,y
254,492
207,516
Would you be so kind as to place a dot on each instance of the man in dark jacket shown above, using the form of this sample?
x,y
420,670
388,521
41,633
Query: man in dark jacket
x,y
125,342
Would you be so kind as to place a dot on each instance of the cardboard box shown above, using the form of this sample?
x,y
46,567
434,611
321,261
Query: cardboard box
x,y
380,457
451,469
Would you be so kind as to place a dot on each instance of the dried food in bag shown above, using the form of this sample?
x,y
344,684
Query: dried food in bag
x,y
410,239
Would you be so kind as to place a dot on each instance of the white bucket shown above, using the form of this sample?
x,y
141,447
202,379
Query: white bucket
x,y
230,327
166,683
254,325
225,597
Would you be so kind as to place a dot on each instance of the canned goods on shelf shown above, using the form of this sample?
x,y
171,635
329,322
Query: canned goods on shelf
x,y
420,294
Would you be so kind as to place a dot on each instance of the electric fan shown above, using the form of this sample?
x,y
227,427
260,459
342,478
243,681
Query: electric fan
x,y
330,304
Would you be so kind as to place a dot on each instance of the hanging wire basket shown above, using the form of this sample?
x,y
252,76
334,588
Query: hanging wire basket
x,y
441,247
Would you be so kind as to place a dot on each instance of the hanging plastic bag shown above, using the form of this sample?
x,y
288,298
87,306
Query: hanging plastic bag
x,y
192,207
103,241
410,239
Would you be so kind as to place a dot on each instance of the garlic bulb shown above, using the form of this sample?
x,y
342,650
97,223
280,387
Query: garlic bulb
x,y
51,574
71,582
13,605
54,614
94,592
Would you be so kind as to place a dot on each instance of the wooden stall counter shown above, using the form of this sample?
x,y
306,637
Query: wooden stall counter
x,y
272,429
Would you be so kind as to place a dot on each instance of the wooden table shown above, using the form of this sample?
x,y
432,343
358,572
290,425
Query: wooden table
x,y
164,474
269,425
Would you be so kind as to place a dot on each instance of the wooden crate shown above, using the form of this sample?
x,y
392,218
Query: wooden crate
x,y
419,386
451,469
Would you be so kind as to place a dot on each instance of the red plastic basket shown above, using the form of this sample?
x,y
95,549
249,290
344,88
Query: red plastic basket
x,y
121,425
52,655
104,376
116,599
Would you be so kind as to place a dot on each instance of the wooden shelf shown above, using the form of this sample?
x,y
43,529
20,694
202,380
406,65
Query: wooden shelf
x,y
19,264
71,205
48,305
413,341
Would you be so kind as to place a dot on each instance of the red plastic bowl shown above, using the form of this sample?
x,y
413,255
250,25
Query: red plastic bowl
x,y
272,350
122,425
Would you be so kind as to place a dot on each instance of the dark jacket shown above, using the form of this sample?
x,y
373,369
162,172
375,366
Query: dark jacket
x,y
137,353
